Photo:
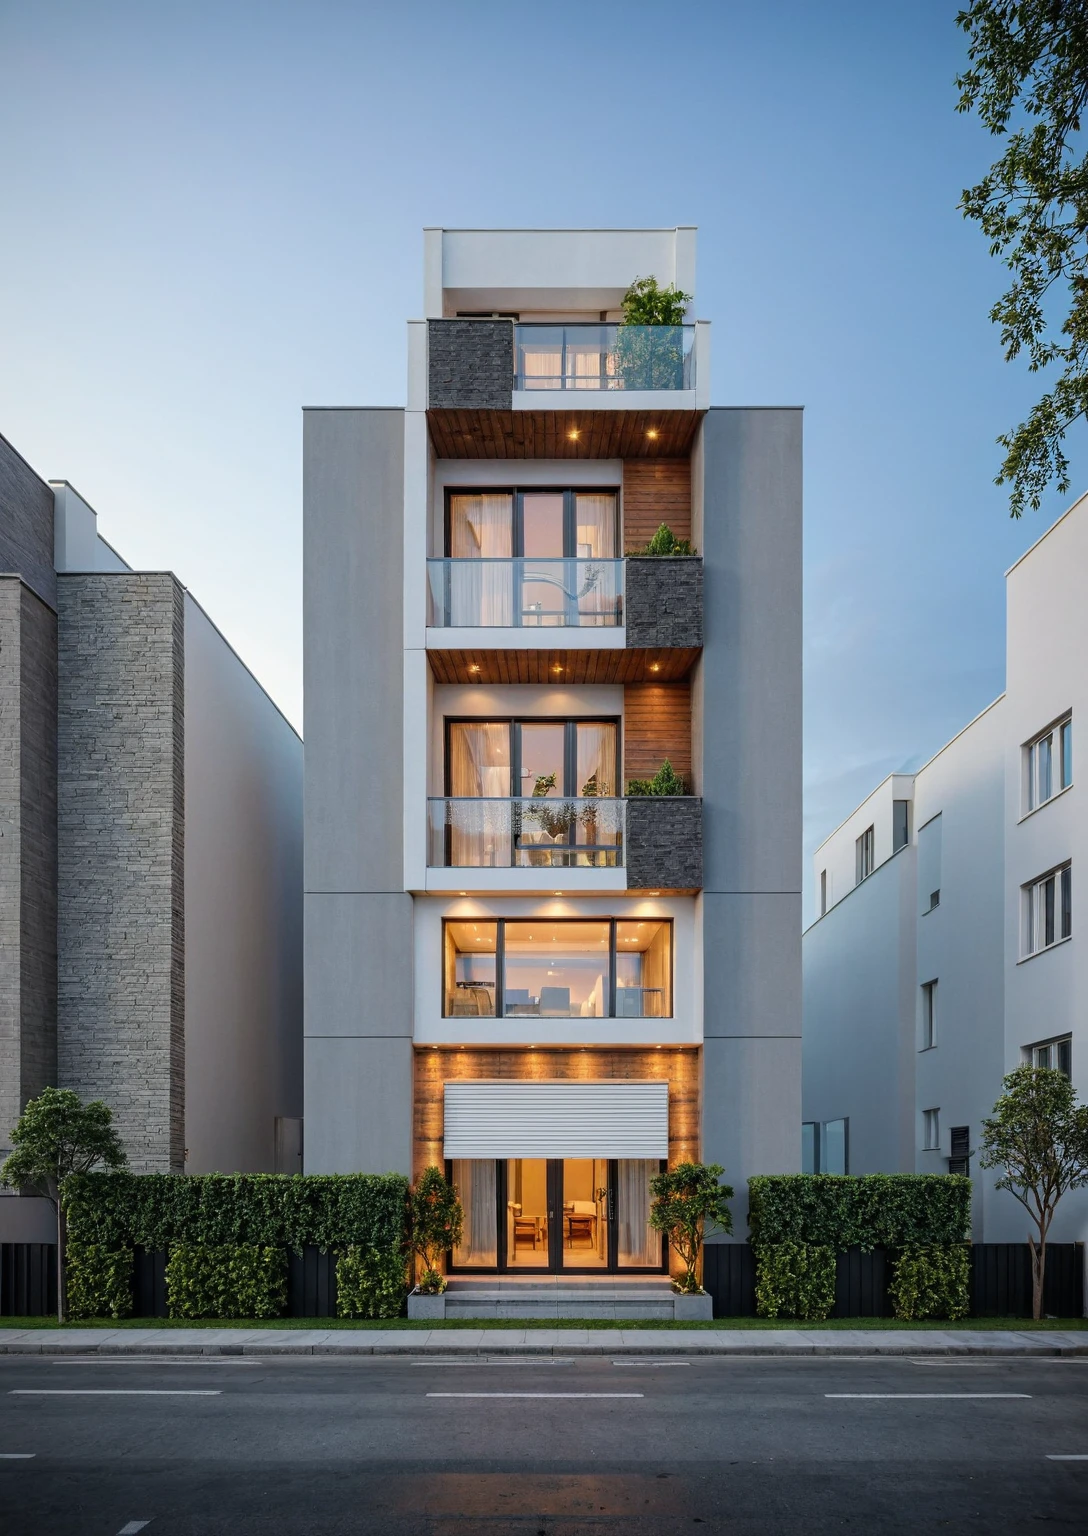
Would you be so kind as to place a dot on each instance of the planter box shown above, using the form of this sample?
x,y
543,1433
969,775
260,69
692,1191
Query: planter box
x,y
693,1309
663,605
664,842
433,1308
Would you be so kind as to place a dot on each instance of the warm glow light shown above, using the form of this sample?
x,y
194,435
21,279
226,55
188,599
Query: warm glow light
x,y
573,434
559,893
655,666
651,432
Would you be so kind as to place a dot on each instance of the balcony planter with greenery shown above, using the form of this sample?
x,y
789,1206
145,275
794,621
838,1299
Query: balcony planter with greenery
x,y
665,542
650,340
666,781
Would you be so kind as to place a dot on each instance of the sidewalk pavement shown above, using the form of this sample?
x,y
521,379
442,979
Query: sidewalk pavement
x,y
446,1342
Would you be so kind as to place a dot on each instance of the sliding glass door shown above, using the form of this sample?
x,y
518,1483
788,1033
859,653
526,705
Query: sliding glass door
x,y
578,1215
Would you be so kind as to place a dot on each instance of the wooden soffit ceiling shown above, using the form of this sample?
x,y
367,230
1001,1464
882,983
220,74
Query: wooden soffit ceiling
x,y
598,666
547,434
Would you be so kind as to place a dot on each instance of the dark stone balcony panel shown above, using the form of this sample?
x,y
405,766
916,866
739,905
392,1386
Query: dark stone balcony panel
x,y
470,365
663,605
664,843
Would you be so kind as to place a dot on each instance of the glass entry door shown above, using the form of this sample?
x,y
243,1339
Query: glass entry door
x,y
555,1215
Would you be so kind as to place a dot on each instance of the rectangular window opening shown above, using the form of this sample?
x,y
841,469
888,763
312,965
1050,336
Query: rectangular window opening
x,y
863,855
1047,764
931,1128
929,1015
1047,910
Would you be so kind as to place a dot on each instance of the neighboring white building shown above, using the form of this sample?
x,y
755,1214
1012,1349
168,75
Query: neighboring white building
x,y
944,953
512,965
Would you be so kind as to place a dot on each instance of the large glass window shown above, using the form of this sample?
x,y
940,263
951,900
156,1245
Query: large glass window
x,y
477,1188
535,525
1048,765
566,969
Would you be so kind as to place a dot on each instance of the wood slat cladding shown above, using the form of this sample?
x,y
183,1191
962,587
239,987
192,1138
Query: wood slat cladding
x,y
434,1067
656,725
612,666
546,434
655,491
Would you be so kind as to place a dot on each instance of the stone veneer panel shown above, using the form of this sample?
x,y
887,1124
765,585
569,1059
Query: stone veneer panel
x,y
121,979
26,524
663,605
28,849
470,364
663,848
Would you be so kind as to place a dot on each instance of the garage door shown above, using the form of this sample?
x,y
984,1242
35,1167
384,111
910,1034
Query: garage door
x,y
556,1119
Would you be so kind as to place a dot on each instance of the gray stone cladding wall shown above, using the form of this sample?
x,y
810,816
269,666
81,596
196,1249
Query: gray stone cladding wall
x,y
28,849
663,601
663,847
26,525
470,364
121,824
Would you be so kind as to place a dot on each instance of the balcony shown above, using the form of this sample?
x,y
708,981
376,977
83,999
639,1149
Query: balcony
x,y
525,593
658,840
609,358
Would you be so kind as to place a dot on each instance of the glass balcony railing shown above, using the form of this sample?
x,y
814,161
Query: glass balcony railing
x,y
541,833
524,593
596,357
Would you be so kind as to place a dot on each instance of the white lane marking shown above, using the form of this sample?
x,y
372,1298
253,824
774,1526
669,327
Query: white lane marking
x,y
155,1360
461,1364
110,1392
884,1396
535,1394
1067,1458
17,1455
132,1527
651,1364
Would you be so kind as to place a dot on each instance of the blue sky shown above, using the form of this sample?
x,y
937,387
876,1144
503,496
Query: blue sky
x,y
212,217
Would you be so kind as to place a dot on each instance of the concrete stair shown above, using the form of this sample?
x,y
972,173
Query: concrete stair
x,y
512,1297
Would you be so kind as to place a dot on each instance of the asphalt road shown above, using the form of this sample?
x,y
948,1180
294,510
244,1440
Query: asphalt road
x,y
583,1448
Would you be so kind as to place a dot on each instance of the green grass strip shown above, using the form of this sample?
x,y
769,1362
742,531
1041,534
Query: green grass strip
x,y
402,1324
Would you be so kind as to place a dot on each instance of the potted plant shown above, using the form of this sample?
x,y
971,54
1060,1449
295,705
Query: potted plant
x,y
650,339
687,1202
665,542
435,1223
666,781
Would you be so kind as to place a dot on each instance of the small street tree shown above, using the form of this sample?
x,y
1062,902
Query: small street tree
x,y
1038,1134
58,1135
436,1221
687,1204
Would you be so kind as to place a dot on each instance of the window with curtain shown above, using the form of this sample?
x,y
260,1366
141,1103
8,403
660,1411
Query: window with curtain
x,y
474,1180
639,1246
481,530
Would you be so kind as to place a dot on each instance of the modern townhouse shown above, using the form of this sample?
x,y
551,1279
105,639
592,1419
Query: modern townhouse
x,y
515,968
150,855
944,951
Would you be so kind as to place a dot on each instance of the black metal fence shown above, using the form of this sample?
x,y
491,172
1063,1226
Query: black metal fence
x,y
28,1279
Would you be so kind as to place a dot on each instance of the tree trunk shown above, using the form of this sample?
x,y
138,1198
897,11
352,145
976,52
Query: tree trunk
x,y
62,1289
1038,1272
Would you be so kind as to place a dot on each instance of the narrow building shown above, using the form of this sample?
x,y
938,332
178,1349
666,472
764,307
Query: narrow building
x,y
517,965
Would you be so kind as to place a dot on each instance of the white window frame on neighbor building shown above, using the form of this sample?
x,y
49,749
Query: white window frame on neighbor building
x,y
931,1130
929,1015
1056,1053
1046,916
864,851
1047,765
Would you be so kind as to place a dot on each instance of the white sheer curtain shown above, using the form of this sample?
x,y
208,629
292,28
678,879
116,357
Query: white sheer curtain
x,y
639,1244
481,530
480,770
474,1181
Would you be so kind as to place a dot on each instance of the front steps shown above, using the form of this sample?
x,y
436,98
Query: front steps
x,y
645,1298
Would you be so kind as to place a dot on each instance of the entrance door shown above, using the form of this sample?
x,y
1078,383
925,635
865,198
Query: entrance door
x,y
551,1215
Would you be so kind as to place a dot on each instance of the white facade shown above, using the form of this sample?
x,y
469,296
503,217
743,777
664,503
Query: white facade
x,y
919,991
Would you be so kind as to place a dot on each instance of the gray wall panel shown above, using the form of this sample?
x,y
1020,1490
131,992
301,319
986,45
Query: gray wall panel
x,y
752,985
359,965
752,1124
26,525
353,499
751,672
358,1106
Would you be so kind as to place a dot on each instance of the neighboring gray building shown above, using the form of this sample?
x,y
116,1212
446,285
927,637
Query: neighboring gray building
x,y
946,949
511,966
150,853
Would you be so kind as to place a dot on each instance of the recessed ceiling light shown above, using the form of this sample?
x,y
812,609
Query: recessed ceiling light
x,y
573,434
651,432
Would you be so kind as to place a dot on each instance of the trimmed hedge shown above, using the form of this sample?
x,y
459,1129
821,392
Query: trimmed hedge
x,y
228,1280
99,1280
213,1225
154,1210
370,1284
795,1280
933,1281
874,1210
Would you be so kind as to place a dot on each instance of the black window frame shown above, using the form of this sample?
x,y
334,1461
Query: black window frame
x,y
570,748
500,959
517,533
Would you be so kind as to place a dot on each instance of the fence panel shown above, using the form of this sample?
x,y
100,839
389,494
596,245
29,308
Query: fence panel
x,y
28,1279
861,1284
149,1283
1001,1280
311,1283
729,1274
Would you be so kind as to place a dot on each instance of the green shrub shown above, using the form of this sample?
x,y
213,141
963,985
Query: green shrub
x,y
370,1283
156,1210
877,1210
226,1280
666,781
99,1280
931,1281
795,1280
665,542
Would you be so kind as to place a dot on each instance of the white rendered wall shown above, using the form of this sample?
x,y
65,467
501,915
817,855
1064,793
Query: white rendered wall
x,y
1046,676
243,910
549,269
77,544
837,853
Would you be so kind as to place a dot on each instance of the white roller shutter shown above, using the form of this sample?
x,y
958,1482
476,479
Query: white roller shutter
x,y
556,1119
